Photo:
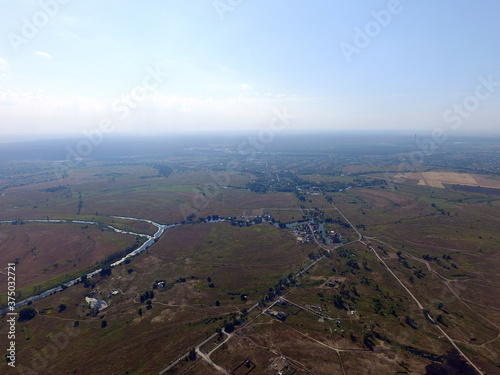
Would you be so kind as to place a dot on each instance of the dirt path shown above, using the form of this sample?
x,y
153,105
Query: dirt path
x,y
421,308
445,281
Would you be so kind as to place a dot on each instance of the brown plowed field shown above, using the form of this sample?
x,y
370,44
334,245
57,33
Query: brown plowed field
x,y
437,179
45,251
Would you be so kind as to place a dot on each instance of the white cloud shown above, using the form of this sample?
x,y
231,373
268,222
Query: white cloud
x,y
38,101
3,64
75,112
43,54
244,86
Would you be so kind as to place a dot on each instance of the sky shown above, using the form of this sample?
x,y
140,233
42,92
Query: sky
x,y
70,67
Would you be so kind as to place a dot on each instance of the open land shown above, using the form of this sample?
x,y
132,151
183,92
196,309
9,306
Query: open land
x,y
404,278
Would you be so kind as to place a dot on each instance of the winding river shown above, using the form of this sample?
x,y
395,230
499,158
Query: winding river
x,y
144,246
150,240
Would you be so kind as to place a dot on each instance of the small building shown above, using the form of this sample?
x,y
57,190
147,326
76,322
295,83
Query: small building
x,y
281,316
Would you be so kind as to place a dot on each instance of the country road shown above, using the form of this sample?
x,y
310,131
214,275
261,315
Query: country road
x,y
206,357
360,239
411,294
422,309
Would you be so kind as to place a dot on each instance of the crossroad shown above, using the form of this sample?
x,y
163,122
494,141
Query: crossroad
x,y
206,357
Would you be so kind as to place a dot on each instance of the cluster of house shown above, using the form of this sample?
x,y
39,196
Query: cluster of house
x,y
337,322
335,236
278,314
316,309
303,233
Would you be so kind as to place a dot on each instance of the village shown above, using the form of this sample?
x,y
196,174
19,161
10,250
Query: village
x,y
305,233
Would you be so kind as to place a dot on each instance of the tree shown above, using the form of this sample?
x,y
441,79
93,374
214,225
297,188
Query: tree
x,y
219,332
192,354
229,327
26,314
419,273
106,271
440,320
62,307
411,322
104,324
217,303
337,301
352,263
368,340
378,306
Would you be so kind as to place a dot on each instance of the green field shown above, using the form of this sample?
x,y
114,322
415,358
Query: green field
x,y
442,244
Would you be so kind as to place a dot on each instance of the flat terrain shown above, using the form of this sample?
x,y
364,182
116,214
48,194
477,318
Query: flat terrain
x,y
438,179
411,279
45,251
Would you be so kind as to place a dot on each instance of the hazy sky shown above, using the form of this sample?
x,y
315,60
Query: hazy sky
x,y
165,65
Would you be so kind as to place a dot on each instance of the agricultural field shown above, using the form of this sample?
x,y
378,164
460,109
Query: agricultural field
x,y
47,253
440,179
409,284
